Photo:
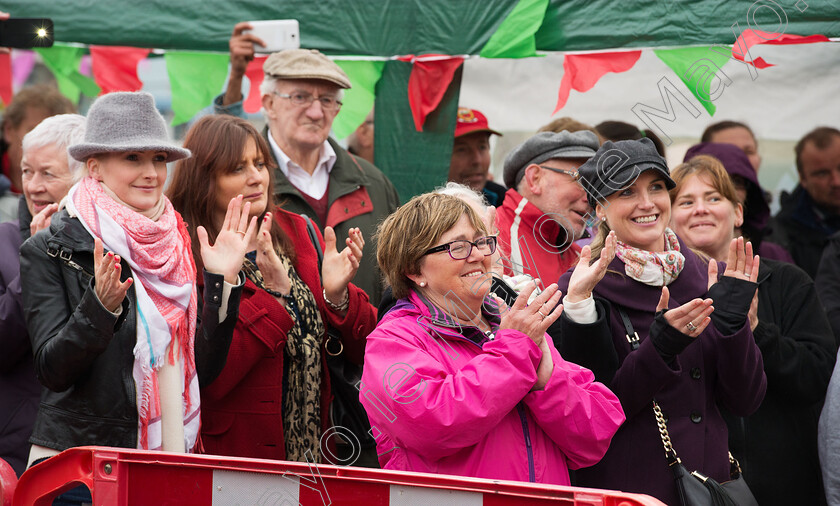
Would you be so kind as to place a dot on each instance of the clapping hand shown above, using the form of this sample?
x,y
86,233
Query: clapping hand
x,y
586,276
691,318
338,269
533,320
275,276
740,263
225,256
106,272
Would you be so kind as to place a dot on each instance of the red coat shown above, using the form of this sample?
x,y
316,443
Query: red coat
x,y
528,238
241,410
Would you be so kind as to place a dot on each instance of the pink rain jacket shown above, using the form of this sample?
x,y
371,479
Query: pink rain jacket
x,y
449,399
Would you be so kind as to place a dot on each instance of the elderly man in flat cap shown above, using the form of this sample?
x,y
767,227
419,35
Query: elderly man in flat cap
x,y
545,209
301,96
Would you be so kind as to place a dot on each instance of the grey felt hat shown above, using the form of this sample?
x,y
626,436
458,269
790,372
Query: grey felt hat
x,y
546,146
124,121
617,164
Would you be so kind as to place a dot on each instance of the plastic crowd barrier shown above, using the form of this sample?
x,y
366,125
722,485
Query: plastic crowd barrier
x,y
118,477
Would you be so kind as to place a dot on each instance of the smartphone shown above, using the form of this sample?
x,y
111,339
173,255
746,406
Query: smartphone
x,y
25,33
278,34
503,290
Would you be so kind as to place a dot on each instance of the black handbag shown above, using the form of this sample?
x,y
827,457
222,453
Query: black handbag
x,y
347,415
694,488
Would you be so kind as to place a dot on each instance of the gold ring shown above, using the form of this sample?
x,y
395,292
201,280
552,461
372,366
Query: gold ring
x,y
240,232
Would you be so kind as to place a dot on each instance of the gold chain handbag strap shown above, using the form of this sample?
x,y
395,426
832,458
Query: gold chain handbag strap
x,y
670,453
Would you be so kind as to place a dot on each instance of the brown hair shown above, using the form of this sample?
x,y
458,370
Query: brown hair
x,y
709,166
39,96
720,126
403,238
569,124
217,143
820,136
620,131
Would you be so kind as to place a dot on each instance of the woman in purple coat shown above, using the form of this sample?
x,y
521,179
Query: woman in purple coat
x,y
690,355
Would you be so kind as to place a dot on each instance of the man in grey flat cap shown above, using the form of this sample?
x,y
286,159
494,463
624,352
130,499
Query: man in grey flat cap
x,y
301,96
545,209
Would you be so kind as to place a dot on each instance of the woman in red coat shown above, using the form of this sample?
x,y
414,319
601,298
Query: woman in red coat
x,y
272,398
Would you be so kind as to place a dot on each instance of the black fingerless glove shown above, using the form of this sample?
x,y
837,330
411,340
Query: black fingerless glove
x,y
668,341
731,298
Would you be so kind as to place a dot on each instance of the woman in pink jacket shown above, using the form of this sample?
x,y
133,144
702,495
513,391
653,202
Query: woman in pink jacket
x,y
453,386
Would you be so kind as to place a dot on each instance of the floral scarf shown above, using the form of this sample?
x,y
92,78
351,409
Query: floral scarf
x,y
655,269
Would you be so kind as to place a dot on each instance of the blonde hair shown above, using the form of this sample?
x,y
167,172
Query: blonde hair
x,y
405,236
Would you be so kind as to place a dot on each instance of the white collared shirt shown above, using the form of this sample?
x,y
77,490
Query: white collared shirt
x,y
314,185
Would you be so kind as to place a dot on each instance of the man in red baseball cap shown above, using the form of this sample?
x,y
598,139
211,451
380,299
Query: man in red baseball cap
x,y
470,161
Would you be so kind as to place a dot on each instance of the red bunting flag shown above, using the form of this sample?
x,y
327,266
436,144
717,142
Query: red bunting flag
x,y
582,71
115,68
750,38
254,73
429,79
6,78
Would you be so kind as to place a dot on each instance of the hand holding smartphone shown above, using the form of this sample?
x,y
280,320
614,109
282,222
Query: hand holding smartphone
x,y
278,34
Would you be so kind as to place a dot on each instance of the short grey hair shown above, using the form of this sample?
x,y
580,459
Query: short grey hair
x,y
465,193
62,131
269,84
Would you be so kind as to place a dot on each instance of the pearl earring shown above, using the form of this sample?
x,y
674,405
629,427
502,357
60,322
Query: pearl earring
x,y
422,284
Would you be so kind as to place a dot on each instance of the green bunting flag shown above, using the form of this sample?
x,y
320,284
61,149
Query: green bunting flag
x,y
195,80
515,36
700,69
358,100
63,61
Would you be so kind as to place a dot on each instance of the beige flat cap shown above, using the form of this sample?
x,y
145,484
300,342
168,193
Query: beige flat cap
x,y
305,64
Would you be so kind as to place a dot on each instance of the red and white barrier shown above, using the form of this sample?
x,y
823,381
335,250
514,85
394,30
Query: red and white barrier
x,y
118,477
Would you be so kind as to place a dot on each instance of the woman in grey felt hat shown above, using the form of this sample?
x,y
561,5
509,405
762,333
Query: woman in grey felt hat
x,y
110,294
638,312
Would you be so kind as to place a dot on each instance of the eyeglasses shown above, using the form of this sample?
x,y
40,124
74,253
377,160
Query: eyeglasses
x,y
573,175
302,99
462,248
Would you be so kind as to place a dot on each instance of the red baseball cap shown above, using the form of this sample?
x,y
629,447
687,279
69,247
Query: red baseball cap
x,y
471,121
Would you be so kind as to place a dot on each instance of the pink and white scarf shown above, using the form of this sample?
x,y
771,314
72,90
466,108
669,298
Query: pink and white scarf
x,y
650,268
164,283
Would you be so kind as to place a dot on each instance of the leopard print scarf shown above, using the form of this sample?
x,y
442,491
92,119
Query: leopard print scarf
x,y
302,401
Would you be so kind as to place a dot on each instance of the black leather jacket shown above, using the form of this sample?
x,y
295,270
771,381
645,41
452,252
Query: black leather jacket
x,y
83,353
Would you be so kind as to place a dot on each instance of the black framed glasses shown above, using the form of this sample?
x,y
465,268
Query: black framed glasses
x,y
302,99
462,248
573,175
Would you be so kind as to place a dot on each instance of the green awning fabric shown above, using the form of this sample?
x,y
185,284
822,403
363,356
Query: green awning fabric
x,y
399,27
417,161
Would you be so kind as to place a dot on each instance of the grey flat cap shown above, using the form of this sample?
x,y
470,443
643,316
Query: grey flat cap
x,y
617,164
545,146
124,121
305,64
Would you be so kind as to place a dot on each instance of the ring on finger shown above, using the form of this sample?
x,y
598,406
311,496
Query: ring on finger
x,y
541,314
691,326
240,232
